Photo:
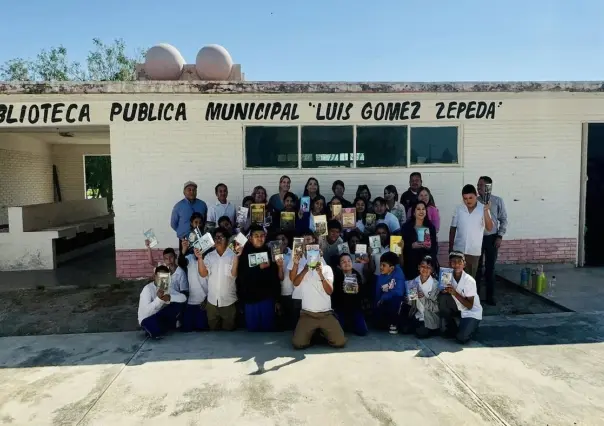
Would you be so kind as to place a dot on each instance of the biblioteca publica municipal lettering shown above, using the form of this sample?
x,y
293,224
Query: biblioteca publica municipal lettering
x,y
57,113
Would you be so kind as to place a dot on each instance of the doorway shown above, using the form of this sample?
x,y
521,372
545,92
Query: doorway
x,y
594,195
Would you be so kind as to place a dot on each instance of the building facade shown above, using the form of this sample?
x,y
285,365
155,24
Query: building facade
x,y
529,137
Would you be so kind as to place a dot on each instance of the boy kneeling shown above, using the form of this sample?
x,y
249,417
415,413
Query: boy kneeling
x,y
316,286
159,311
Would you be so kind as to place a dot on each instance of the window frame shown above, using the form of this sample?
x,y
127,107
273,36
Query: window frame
x,y
457,124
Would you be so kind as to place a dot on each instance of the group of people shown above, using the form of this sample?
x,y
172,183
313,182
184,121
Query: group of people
x,y
390,283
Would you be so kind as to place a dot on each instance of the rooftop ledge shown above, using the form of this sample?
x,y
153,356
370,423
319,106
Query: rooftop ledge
x,y
279,87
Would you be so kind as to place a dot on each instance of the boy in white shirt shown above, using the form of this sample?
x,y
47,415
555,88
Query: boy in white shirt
x,y
194,317
460,299
158,311
316,286
384,216
217,267
287,318
222,207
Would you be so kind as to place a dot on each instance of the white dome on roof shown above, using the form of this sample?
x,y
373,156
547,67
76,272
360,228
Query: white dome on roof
x,y
164,62
213,63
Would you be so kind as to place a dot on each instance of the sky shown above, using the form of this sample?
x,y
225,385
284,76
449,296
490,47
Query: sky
x,y
335,40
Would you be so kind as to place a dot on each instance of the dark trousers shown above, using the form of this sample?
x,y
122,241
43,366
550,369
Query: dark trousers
x,y
162,321
388,312
448,311
260,316
289,315
297,303
195,318
411,325
352,320
488,259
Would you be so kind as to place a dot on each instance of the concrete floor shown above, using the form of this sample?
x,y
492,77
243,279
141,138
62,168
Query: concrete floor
x,y
578,289
529,370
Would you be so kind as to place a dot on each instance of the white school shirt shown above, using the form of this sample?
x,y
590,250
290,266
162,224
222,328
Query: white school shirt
x,y
222,290
287,286
297,293
314,297
467,288
427,288
391,221
218,210
149,304
470,229
179,280
198,286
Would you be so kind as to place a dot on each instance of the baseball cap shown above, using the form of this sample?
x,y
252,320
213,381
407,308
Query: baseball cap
x,y
457,254
189,183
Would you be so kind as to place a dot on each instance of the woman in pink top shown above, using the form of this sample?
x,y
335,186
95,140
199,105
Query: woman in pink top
x,y
425,195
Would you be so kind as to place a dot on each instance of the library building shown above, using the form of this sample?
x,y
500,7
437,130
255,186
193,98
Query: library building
x,y
87,166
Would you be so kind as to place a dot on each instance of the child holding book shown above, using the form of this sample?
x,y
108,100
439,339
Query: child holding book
x,y
389,292
331,243
346,297
421,313
309,238
159,310
194,317
287,317
258,285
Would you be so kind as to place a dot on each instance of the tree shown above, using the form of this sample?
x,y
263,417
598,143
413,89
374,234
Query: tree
x,y
98,177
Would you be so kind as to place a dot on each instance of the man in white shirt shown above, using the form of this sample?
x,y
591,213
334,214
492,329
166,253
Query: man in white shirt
x,y
217,267
467,228
158,311
460,300
384,216
316,286
195,317
222,207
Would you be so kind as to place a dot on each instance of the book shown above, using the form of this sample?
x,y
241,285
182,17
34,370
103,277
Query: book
x,y
204,242
242,213
412,287
320,222
361,251
288,221
336,211
375,242
351,286
305,204
421,234
275,248
445,278
241,239
258,213
163,280
349,218
394,241
150,235
313,255
298,247
343,248
370,219
255,259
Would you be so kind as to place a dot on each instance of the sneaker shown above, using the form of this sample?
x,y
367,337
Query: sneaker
x,y
393,329
178,324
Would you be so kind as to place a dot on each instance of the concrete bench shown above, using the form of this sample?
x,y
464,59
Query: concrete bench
x,y
34,230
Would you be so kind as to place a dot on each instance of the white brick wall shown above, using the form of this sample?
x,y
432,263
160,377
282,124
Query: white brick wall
x,y
69,159
25,173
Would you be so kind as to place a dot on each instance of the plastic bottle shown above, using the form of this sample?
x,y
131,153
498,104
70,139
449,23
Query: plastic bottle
x,y
524,278
551,286
541,282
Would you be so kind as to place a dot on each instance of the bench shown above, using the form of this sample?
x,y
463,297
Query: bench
x,y
40,236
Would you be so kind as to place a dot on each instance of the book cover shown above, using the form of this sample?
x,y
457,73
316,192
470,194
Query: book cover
x,y
288,221
421,234
349,218
375,242
313,255
361,251
412,287
320,224
394,241
445,278
298,247
343,248
305,204
204,242
336,211
242,213
351,286
370,219
163,281
262,257
241,239
251,260
150,235
275,248
258,213
194,237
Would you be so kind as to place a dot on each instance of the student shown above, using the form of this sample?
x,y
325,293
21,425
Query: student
x,y
177,271
361,208
313,190
331,243
346,297
384,216
287,318
467,228
258,286
194,316
219,268
392,204
309,238
316,286
159,311
364,193
222,207
460,299
422,316
338,189
389,292
305,220
225,222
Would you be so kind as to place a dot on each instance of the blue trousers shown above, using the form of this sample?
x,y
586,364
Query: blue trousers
x,y
353,320
195,318
162,321
260,316
388,313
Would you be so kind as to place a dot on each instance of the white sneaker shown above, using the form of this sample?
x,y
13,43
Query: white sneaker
x,y
393,329
178,324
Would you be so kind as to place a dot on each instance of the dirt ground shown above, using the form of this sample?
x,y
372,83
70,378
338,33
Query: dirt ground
x,y
114,308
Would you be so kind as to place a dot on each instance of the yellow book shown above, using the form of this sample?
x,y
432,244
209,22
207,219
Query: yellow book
x,y
394,244
288,221
257,213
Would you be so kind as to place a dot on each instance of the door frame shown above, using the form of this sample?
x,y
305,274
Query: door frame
x,y
582,193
